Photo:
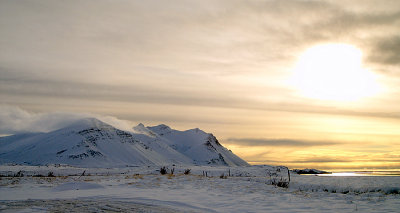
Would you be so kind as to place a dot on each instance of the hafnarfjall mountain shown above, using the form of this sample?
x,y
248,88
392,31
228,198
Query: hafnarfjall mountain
x,y
92,143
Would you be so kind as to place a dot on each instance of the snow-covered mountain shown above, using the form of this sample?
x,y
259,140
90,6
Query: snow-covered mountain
x,y
201,147
93,143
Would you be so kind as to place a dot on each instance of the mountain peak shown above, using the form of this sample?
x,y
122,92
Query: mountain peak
x,y
160,129
141,129
197,130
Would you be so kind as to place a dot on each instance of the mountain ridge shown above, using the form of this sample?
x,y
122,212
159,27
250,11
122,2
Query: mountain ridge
x,y
93,143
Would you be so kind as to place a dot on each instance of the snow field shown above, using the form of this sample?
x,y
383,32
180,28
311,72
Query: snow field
x,y
145,189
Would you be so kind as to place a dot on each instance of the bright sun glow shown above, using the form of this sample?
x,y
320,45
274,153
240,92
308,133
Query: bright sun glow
x,y
333,72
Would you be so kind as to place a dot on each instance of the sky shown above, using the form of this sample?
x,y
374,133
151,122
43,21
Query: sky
x,y
233,68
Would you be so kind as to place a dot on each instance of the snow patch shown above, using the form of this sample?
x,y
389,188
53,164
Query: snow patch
x,y
77,186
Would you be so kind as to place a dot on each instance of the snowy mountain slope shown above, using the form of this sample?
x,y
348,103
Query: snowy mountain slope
x,y
88,142
203,148
93,143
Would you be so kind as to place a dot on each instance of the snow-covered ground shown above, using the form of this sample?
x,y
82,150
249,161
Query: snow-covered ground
x,y
143,189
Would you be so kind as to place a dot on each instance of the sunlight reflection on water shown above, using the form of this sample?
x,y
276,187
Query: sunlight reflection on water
x,y
363,173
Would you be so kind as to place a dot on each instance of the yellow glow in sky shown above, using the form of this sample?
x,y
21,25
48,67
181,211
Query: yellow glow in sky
x,y
333,72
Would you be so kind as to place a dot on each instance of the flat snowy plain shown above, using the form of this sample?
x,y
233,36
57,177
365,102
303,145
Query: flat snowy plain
x,y
143,189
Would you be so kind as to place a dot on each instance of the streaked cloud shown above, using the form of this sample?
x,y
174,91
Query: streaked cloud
x,y
307,160
277,142
321,160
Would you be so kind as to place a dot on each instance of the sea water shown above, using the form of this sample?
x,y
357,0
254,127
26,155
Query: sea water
x,y
362,173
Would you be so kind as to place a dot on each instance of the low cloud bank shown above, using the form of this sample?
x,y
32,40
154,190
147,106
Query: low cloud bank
x,y
15,120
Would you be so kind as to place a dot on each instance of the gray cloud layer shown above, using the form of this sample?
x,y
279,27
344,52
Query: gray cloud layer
x,y
278,142
386,50
162,52
182,52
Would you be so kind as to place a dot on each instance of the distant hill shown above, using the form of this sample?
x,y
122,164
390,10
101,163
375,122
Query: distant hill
x,y
93,143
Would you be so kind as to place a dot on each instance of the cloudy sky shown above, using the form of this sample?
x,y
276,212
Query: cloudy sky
x,y
226,67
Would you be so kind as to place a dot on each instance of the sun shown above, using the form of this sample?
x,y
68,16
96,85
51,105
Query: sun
x,y
333,72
